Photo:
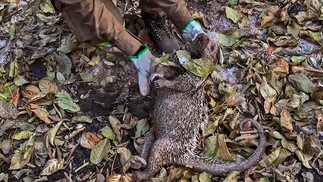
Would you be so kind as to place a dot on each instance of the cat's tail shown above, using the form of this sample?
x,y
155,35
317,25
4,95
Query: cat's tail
x,y
212,166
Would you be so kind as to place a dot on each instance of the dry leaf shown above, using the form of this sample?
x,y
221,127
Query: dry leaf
x,y
23,154
41,113
100,151
89,140
47,86
223,151
30,91
52,166
15,97
6,146
125,156
22,135
286,120
52,132
7,110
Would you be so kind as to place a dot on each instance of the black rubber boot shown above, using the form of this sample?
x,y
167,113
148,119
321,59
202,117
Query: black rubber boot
x,y
159,31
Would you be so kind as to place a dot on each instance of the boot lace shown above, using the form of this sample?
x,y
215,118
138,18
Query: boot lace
x,y
164,25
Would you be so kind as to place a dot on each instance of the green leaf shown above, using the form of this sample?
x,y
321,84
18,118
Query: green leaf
x,y
12,31
166,60
275,158
301,82
116,126
53,131
87,77
7,110
22,155
26,126
233,14
317,36
162,176
141,128
20,80
108,133
225,40
233,176
301,157
47,7
64,63
266,90
100,151
15,69
210,146
6,90
65,102
124,156
81,119
232,2
200,67
3,176
22,135
298,59
205,177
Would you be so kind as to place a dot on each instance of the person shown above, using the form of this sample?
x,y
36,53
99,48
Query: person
x,y
98,21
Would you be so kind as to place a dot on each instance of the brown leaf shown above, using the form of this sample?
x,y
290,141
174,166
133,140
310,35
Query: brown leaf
x,y
278,107
319,117
317,95
119,178
235,99
280,68
286,120
47,86
15,97
116,126
268,93
269,17
41,113
125,156
89,140
268,104
199,16
95,61
223,151
283,41
30,91
294,29
6,146
52,166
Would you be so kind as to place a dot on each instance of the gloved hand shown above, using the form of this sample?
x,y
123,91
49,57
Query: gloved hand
x,y
145,64
202,44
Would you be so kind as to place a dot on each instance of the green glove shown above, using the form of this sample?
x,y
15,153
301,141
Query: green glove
x,y
145,64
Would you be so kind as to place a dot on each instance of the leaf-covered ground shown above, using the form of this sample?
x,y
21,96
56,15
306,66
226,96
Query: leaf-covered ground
x,y
72,112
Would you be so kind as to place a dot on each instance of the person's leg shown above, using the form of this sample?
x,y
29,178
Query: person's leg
x,y
151,8
159,27
97,21
191,30
176,10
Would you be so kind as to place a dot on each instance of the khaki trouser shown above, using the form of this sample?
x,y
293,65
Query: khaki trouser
x,y
99,20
